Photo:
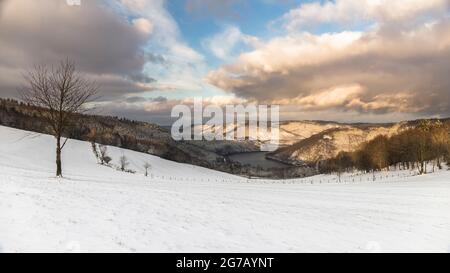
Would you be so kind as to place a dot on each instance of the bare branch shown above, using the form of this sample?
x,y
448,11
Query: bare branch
x,y
58,94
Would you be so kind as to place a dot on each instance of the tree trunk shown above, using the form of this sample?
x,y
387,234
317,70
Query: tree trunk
x,y
58,157
420,166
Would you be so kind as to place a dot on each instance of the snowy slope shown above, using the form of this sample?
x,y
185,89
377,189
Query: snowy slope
x,y
191,209
36,152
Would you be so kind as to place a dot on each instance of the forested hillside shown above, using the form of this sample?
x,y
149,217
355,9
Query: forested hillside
x,y
418,147
133,135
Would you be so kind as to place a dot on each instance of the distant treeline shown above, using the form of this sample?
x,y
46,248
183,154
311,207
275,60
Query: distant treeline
x,y
414,148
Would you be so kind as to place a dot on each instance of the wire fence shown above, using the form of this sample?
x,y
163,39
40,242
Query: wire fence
x,y
378,177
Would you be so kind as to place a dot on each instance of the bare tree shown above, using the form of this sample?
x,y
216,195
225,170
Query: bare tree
x,y
147,167
104,158
123,163
58,94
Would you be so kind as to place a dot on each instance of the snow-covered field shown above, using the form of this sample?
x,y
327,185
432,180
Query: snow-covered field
x,y
191,209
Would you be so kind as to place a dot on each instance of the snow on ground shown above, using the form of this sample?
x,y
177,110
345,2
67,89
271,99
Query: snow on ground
x,y
192,209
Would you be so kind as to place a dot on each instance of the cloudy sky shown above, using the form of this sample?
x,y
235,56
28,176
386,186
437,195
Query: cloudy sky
x,y
343,60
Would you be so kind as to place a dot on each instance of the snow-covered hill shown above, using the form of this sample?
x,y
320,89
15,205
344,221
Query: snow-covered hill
x,y
290,132
188,209
330,142
309,141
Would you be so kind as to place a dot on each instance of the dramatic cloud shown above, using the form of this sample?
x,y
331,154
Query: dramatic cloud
x,y
224,44
389,68
351,12
104,45
332,59
174,63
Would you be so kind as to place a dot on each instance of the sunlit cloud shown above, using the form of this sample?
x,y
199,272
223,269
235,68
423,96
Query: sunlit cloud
x,y
391,67
342,59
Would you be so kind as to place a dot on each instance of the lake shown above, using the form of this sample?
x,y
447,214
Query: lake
x,y
257,159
